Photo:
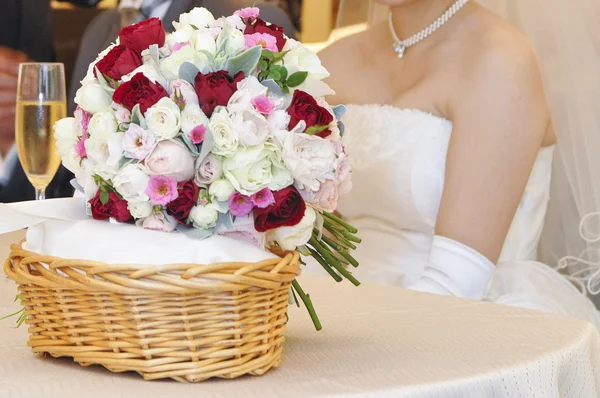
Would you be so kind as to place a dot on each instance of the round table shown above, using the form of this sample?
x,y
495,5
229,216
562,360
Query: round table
x,y
377,342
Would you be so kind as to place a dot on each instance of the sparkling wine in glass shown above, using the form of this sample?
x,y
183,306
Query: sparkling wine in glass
x,y
41,102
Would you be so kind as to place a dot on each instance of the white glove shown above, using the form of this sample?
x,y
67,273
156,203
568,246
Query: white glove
x,y
455,269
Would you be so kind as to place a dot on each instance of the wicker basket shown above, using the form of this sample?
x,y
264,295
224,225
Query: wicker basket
x,y
187,322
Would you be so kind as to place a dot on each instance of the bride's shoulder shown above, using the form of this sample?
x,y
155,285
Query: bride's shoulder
x,y
350,58
347,50
500,52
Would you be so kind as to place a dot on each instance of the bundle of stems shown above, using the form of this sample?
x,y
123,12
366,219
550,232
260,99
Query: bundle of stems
x,y
331,248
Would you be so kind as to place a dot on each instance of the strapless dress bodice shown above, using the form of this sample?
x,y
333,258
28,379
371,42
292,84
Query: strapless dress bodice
x,y
398,158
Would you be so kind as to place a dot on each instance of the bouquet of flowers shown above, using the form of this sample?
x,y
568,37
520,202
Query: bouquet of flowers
x,y
217,128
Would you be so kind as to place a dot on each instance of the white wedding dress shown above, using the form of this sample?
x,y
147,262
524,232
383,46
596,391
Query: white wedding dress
x,y
398,158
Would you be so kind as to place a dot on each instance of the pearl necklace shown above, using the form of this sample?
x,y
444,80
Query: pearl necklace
x,y
400,46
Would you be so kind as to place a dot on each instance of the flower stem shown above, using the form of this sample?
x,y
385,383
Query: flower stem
x,y
349,257
339,236
341,222
308,304
331,259
324,264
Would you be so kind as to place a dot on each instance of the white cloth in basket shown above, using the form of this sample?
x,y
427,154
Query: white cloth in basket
x,y
60,228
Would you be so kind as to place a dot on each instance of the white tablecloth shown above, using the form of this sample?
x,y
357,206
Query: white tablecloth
x,y
377,342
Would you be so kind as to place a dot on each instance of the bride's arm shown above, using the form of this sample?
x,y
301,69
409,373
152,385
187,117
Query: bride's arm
x,y
500,118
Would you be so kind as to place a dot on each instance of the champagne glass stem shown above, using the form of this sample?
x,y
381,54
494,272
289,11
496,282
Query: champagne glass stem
x,y
40,193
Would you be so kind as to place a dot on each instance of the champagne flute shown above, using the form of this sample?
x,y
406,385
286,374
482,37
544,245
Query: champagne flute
x,y
41,102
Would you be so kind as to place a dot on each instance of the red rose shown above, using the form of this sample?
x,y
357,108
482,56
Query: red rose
x,y
181,207
139,90
305,107
215,88
141,36
115,208
119,61
287,211
260,26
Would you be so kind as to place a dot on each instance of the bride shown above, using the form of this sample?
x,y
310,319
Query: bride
x,y
453,119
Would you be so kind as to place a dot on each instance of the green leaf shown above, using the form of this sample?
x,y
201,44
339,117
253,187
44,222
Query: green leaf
x,y
194,27
223,39
104,197
263,65
105,84
137,117
284,73
280,73
124,161
268,54
245,62
274,74
296,79
188,72
279,56
316,129
285,89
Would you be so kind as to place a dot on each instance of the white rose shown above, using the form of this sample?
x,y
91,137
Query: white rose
x,y
278,122
289,238
66,134
171,159
192,117
170,65
183,35
199,18
248,89
103,123
221,190
251,126
204,41
252,169
140,209
311,159
151,72
131,183
299,58
204,217
97,150
233,21
92,98
164,119
234,41
85,178
225,137
115,149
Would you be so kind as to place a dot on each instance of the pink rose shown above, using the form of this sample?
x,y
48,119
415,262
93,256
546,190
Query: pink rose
x,y
122,114
240,205
181,89
264,40
326,198
209,170
162,190
158,222
171,159
250,13
263,104
243,229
